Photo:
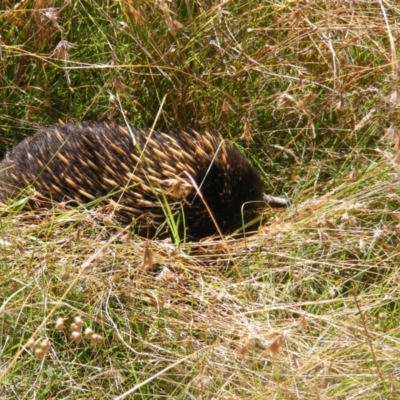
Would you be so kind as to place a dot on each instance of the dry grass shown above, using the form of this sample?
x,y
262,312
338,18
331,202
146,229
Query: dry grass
x,y
305,308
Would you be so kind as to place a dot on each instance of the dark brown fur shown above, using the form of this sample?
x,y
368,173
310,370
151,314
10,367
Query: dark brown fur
x,y
85,162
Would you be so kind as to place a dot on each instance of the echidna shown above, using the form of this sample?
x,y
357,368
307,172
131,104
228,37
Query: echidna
x,y
144,175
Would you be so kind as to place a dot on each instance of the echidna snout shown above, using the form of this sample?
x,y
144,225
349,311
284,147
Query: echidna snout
x,y
145,181
276,201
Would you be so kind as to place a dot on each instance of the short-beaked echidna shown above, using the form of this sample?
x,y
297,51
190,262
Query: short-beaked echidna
x,y
145,175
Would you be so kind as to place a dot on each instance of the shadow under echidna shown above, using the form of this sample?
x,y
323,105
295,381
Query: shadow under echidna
x,y
145,175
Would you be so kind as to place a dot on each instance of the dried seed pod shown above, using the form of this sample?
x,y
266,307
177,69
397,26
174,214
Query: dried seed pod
x,y
76,336
60,324
45,344
78,323
30,343
40,353
143,176
96,338
88,333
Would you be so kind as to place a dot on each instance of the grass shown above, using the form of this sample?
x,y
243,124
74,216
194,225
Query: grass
x,y
307,307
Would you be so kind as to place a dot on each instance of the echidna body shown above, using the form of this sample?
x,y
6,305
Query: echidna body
x,y
145,175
